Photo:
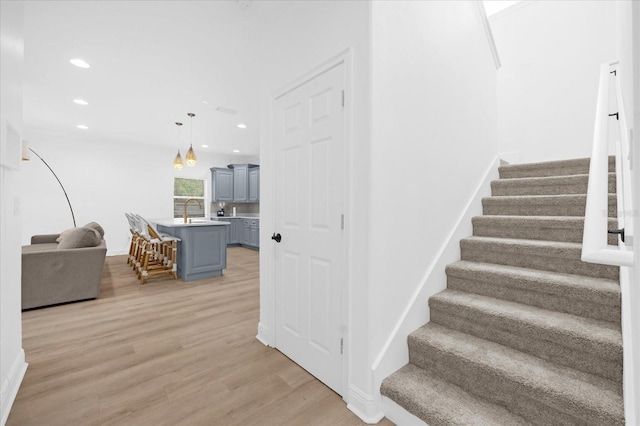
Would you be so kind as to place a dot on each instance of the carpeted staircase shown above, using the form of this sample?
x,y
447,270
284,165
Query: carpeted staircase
x,y
525,333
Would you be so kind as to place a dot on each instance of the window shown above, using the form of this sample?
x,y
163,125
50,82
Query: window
x,y
184,189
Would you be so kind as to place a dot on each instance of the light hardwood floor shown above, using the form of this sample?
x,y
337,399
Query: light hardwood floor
x,y
166,353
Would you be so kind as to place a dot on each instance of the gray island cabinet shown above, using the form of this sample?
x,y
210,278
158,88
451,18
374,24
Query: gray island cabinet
x,y
202,250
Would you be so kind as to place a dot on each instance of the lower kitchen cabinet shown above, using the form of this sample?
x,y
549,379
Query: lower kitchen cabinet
x,y
235,231
251,233
244,232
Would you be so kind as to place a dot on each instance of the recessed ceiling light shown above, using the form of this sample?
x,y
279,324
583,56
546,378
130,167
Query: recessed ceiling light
x,y
81,102
204,146
79,63
242,126
236,150
82,126
205,102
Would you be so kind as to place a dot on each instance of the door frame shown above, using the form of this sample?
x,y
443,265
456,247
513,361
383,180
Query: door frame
x,y
266,327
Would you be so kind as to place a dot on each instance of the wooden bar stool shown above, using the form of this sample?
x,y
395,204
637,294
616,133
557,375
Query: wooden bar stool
x,y
158,254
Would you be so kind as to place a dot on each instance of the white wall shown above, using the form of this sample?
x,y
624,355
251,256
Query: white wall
x,y
12,361
547,86
433,139
104,179
628,52
298,37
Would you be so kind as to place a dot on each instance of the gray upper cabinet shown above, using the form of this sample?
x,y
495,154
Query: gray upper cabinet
x,y
222,184
240,182
241,179
254,184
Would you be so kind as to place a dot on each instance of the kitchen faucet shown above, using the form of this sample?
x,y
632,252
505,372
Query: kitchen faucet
x,y
184,216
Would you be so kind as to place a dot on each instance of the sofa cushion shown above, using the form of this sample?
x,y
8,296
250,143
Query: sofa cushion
x,y
80,237
63,233
97,227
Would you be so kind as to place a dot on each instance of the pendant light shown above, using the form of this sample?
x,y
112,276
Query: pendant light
x,y
191,155
177,162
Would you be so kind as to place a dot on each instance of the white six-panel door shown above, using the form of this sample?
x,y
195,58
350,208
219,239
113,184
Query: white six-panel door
x,y
309,269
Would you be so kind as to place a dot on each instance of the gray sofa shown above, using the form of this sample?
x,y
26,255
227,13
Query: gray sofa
x,y
51,275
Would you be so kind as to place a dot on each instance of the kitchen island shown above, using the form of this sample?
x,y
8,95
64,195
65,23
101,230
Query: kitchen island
x,y
202,249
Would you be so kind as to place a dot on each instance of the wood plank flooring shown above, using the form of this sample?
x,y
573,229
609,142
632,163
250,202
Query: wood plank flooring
x,y
166,353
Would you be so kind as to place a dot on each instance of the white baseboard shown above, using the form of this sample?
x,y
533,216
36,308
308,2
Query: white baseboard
x,y
364,406
11,386
264,335
399,415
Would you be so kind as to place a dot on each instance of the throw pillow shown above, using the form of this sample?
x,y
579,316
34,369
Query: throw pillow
x,y
97,227
80,237
63,233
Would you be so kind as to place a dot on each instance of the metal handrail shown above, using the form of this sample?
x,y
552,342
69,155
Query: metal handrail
x,y
594,243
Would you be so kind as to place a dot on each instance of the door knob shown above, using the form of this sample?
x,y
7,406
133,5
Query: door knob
x,y
276,237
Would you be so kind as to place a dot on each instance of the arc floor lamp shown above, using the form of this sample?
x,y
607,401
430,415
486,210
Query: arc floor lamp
x,y
25,157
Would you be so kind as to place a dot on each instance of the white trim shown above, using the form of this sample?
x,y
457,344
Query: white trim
x,y
11,385
394,354
628,366
511,9
364,406
398,415
487,30
266,330
264,336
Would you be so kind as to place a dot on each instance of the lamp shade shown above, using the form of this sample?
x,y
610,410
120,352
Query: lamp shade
x,y
25,151
177,162
191,157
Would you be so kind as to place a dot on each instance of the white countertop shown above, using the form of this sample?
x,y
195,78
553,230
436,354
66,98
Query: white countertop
x,y
179,222
240,216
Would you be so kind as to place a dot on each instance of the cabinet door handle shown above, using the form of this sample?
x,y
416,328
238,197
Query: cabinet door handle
x,y
276,237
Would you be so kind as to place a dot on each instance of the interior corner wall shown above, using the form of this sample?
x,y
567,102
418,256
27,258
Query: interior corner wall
x,y
551,53
12,360
103,179
433,137
300,37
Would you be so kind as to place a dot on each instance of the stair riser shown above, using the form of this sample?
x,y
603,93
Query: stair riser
x,y
566,168
580,169
531,403
538,208
541,258
529,187
570,234
546,300
574,352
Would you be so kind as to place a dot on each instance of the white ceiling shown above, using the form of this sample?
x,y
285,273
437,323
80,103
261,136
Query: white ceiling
x,y
494,6
151,63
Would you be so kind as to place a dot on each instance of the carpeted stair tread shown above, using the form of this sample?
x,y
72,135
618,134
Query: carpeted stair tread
x,y
541,205
585,344
438,402
591,297
547,185
550,168
538,390
524,325
548,228
552,256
